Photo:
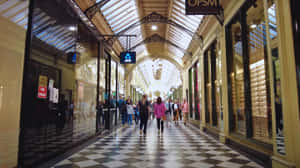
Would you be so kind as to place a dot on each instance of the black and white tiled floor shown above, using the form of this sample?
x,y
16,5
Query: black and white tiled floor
x,y
178,146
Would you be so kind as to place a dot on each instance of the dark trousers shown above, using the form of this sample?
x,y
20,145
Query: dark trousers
x,y
143,123
160,124
136,118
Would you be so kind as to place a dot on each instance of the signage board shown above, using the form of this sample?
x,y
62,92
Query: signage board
x,y
42,87
127,57
202,7
42,92
72,57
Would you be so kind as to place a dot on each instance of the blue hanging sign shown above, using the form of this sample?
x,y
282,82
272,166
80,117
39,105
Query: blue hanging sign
x,y
128,57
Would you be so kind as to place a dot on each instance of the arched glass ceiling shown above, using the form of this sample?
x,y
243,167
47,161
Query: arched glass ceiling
x,y
176,35
120,15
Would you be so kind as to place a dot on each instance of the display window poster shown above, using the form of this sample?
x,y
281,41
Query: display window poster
x,y
42,87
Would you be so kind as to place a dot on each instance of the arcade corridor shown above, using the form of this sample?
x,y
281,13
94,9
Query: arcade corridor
x,y
74,72
178,146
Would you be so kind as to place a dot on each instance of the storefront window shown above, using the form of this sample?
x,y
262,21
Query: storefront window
x,y
102,81
207,81
250,106
60,84
199,90
212,85
196,96
236,75
113,78
259,77
218,86
191,102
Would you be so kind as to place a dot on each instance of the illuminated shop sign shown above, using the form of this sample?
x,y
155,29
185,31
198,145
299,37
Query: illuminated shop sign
x,y
128,57
202,7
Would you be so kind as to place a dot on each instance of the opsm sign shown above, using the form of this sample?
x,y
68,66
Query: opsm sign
x,y
202,7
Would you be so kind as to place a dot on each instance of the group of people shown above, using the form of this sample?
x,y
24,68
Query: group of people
x,y
139,111
144,109
170,111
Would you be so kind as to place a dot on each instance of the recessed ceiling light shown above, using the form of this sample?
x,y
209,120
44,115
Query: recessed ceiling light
x,y
154,27
72,28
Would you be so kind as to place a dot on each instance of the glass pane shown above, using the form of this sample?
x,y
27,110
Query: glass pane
x,y
199,90
190,93
237,80
196,96
208,87
60,105
218,85
193,93
257,43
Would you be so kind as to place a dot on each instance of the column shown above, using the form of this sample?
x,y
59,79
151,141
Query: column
x,y
289,88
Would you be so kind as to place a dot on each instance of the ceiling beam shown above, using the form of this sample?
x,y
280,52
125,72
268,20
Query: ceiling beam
x,y
157,18
92,10
155,38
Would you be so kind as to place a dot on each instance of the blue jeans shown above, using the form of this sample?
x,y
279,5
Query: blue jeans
x,y
124,118
129,119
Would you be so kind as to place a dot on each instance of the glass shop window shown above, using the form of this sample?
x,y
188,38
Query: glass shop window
x,y
259,77
218,85
207,71
237,77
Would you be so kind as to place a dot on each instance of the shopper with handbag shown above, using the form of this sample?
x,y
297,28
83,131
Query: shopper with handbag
x,y
159,111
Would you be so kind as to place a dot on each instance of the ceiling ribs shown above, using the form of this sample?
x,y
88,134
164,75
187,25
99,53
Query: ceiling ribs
x,y
91,11
157,18
158,39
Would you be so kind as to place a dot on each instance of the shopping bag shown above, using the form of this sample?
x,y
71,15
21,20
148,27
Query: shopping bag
x,y
164,117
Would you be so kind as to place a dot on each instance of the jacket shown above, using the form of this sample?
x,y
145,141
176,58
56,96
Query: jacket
x,y
159,110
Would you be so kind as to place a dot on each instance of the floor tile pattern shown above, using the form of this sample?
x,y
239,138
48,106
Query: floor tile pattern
x,y
177,146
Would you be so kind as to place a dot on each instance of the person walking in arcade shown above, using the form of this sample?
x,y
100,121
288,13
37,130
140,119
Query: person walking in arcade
x,y
159,111
144,107
185,110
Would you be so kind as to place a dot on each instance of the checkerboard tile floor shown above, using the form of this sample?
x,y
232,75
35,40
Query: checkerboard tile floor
x,y
177,146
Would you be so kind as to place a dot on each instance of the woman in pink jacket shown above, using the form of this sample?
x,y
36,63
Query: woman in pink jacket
x,y
185,110
159,111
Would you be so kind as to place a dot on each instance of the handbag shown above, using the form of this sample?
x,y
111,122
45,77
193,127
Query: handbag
x,y
164,117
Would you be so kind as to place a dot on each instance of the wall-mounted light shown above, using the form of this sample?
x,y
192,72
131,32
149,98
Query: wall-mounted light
x,y
154,27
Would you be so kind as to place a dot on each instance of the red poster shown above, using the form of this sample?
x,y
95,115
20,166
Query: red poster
x,y
42,92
